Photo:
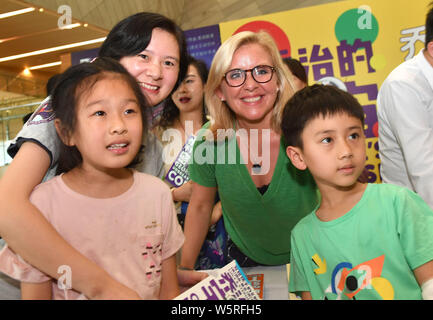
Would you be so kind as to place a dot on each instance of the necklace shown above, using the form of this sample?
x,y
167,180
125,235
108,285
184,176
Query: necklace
x,y
256,163
257,168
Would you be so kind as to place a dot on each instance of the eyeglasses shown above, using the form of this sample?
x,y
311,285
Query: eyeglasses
x,y
237,77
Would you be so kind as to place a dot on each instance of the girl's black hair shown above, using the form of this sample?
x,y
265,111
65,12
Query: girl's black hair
x,y
132,35
171,112
70,85
312,102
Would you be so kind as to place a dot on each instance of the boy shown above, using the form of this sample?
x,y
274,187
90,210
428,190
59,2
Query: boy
x,y
363,241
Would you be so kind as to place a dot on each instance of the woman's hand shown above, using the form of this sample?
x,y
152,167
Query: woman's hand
x,y
217,212
183,193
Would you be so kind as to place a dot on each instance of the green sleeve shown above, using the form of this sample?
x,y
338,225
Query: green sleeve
x,y
414,227
297,279
201,167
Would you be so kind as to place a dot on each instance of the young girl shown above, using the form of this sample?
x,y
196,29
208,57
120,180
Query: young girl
x,y
152,48
185,112
119,218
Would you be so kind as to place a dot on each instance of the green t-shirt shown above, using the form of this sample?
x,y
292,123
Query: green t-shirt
x,y
369,253
258,224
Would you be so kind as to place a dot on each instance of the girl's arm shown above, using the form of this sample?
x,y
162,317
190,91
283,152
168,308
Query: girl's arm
x,y
169,285
197,223
30,235
36,291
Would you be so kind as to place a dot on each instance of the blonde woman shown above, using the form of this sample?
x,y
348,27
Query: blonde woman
x,y
241,154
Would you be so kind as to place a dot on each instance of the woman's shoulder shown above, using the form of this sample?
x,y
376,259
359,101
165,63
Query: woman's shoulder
x,y
151,141
158,131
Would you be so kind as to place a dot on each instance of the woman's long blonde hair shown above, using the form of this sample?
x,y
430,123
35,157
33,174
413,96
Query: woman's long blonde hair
x,y
222,116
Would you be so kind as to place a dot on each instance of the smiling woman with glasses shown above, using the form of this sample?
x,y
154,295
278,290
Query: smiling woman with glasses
x,y
261,74
262,194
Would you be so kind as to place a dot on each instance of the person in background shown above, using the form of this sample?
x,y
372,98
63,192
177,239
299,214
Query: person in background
x,y
27,117
185,112
183,116
405,118
51,83
299,76
240,154
98,199
152,48
363,241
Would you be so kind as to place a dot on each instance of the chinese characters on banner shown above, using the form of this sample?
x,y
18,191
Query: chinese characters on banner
x,y
413,35
203,42
351,44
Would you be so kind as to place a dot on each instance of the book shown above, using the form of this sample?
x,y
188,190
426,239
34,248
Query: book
x,y
227,283
178,174
256,281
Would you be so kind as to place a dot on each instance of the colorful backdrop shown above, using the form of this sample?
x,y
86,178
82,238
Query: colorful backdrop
x,y
352,44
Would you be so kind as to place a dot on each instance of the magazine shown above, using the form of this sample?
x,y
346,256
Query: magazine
x,y
227,283
256,281
178,174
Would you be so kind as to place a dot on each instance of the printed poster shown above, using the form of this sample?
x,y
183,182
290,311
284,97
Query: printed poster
x,y
351,44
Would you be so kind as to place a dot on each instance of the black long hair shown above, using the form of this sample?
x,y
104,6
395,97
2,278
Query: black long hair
x,y
171,111
70,85
296,67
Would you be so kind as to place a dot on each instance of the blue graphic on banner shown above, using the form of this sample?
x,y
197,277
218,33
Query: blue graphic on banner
x,y
203,42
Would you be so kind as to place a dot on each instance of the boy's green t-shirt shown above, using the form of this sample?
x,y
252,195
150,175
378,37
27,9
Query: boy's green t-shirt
x,y
369,253
259,225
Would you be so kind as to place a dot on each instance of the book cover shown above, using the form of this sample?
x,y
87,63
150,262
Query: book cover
x,y
178,174
257,281
227,283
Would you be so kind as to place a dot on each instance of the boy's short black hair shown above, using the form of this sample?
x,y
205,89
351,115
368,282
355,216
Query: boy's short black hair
x,y
312,102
